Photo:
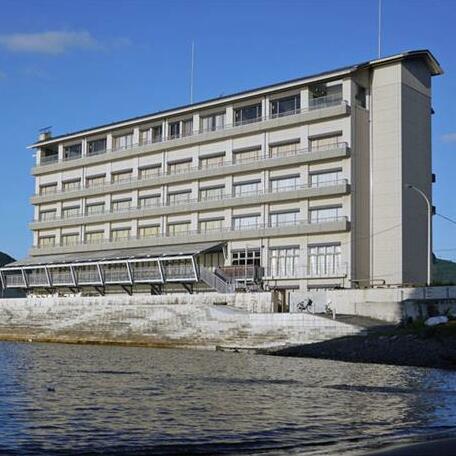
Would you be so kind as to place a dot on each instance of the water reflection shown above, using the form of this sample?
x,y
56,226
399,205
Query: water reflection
x,y
146,401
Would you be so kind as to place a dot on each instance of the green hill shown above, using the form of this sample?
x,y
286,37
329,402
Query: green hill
x,y
443,272
5,259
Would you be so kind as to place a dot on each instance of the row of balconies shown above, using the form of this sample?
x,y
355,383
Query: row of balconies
x,y
53,191
189,204
325,107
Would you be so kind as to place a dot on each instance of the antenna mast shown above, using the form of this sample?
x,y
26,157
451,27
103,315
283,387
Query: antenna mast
x,y
379,28
192,72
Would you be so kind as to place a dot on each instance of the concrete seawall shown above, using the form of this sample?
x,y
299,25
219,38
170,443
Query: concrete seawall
x,y
138,320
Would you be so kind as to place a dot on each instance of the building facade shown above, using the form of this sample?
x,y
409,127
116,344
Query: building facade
x,y
298,185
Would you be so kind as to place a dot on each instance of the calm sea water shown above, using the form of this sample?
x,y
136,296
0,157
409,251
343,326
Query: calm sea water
x,y
69,399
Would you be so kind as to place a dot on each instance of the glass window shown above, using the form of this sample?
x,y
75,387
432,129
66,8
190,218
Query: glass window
x,y
212,162
247,188
48,215
247,114
121,205
284,149
325,142
324,260
72,152
213,122
284,218
96,147
145,136
69,212
212,193
246,156
179,197
94,236
123,141
360,96
149,231
175,229
325,178
174,130
187,127
250,257
48,189
121,176
46,241
285,106
157,133
149,171
95,208
284,184
70,239
321,96
120,234
283,261
211,225
95,181
71,185
149,201
246,222
179,167
325,214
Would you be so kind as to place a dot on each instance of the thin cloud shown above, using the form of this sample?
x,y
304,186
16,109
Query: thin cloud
x,y
53,42
449,137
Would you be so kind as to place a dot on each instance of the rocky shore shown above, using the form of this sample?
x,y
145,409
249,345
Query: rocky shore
x,y
410,346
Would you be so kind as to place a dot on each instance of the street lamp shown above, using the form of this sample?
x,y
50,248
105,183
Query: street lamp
x,y
429,211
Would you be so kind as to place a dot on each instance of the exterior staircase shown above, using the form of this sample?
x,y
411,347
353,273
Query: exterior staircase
x,y
215,281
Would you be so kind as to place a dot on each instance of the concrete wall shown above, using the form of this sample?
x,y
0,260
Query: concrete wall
x,y
115,320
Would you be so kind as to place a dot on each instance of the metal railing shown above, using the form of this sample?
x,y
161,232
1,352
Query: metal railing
x,y
319,271
200,199
48,159
215,282
322,103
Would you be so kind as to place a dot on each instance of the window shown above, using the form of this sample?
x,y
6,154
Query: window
x,y
119,234
187,127
123,141
149,201
179,167
330,141
94,236
247,114
249,257
283,261
322,96
71,185
174,130
179,197
48,156
48,215
211,225
149,231
46,241
69,212
360,96
246,155
121,205
212,162
95,181
285,106
247,188
121,176
96,147
212,193
324,260
70,239
284,218
283,149
48,189
157,133
95,208
325,178
284,184
176,229
72,152
145,136
246,222
213,122
149,171
324,214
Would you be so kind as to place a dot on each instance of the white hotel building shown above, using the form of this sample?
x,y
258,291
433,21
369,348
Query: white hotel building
x,y
296,185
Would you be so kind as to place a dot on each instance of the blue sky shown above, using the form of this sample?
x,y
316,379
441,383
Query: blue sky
x,y
76,64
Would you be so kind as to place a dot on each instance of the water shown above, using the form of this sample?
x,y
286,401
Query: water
x,y
61,399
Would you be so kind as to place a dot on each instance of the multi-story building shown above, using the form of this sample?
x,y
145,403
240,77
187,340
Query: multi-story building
x,y
299,184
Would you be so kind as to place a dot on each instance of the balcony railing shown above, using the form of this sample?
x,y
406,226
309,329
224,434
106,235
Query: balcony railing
x,y
322,103
220,197
48,159
224,229
329,269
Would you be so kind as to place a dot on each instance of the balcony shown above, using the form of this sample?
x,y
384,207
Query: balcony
x,y
324,271
223,167
326,106
227,233
221,200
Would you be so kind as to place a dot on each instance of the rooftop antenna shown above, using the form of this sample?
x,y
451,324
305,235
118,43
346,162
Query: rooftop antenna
x,y
192,71
379,28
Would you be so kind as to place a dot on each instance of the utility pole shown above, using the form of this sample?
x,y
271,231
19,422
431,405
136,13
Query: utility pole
x,y
192,72
379,42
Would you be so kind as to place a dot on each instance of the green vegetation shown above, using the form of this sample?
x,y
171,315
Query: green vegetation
x,y
443,272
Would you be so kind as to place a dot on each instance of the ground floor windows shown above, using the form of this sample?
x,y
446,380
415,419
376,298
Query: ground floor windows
x,y
246,257
324,260
283,261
